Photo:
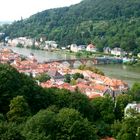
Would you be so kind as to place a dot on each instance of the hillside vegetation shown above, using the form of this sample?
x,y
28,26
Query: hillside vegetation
x,y
30,112
113,23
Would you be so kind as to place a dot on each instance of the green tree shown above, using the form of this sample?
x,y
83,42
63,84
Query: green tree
x,y
121,102
41,126
129,129
75,100
71,125
13,83
103,117
73,82
10,83
2,118
67,78
93,69
104,109
10,131
19,109
135,91
115,127
77,75
43,77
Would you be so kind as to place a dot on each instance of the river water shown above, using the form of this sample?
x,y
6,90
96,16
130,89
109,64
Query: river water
x,y
41,55
127,73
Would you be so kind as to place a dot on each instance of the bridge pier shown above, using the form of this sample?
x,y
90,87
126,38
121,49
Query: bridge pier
x,y
95,61
84,62
71,63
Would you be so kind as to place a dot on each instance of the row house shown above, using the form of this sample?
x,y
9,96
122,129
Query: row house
x,y
115,51
62,85
91,48
50,45
21,40
76,48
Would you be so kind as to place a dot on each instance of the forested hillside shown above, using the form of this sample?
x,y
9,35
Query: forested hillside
x,y
113,23
30,112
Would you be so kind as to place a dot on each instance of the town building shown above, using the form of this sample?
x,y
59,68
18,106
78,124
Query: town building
x,y
118,52
134,106
91,48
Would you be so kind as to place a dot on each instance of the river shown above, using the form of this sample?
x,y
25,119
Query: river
x,y
41,55
127,73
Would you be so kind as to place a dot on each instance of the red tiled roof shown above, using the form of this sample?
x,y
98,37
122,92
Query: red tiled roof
x,y
92,96
99,87
82,85
91,46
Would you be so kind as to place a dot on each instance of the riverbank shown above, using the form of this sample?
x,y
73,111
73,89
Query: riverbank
x,y
79,54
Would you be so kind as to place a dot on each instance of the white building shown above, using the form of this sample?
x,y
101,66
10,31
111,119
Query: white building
x,y
21,40
91,48
107,50
82,47
138,55
118,52
134,106
51,44
74,48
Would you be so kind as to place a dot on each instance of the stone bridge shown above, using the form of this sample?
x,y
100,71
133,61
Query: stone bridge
x,y
84,61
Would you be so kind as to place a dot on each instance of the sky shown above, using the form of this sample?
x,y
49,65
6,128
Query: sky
x,y
11,10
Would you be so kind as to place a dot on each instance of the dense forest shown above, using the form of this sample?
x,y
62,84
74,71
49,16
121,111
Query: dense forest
x,y
113,23
29,112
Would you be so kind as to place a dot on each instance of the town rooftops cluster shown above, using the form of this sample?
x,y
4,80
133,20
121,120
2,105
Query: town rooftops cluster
x,y
93,85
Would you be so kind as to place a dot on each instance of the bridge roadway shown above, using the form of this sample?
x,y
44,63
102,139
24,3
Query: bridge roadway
x,y
94,61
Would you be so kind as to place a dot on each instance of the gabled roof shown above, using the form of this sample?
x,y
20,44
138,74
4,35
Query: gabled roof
x,y
99,87
91,46
54,73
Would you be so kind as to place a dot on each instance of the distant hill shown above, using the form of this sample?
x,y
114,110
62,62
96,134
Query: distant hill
x,y
113,23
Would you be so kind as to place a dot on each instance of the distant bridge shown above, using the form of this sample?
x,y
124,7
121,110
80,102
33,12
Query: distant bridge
x,y
84,61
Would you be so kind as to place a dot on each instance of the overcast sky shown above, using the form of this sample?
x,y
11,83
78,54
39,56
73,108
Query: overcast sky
x,y
11,10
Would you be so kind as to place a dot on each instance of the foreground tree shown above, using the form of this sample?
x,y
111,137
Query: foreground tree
x,y
75,100
13,83
71,125
41,126
104,109
129,129
10,131
66,124
135,92
121,102
19,109
9,85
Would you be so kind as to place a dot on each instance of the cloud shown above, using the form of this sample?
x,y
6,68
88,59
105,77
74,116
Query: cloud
x,y
15,9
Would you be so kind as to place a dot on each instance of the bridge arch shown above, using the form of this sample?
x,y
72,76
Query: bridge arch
x,y
77,63
67,63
